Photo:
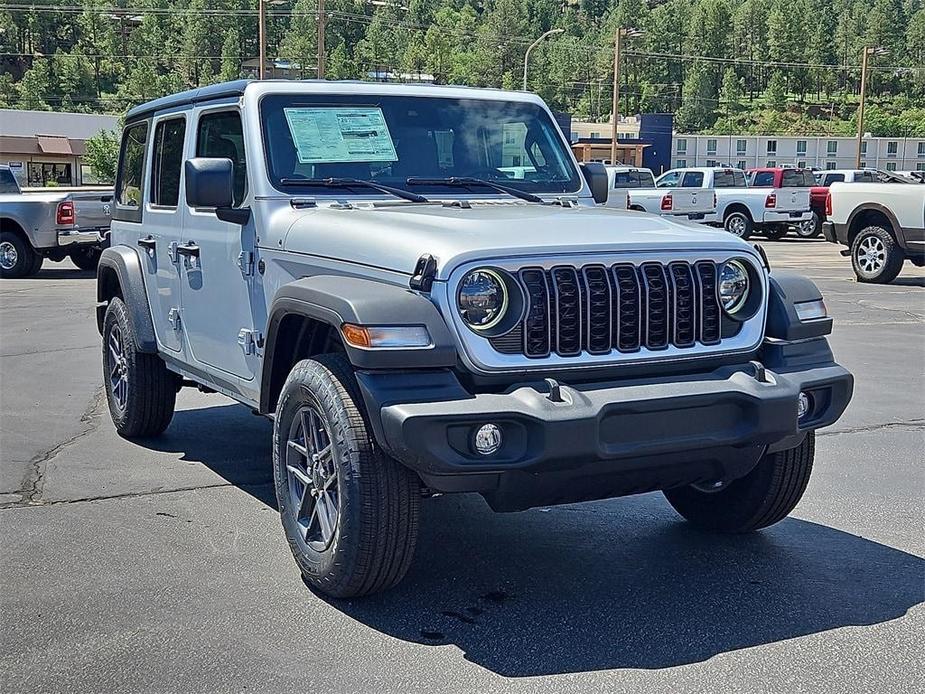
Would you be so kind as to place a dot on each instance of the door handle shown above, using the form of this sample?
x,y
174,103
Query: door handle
x,y
149,243
190,250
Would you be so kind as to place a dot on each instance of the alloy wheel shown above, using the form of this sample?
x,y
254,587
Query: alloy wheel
x,y
736,225
8,255
871,254
312,478
118,368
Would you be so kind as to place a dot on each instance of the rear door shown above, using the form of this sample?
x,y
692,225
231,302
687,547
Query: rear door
x,y
146,224
216,264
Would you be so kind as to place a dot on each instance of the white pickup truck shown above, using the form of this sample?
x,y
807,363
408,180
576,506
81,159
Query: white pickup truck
x,y
741,210
639,184
882,224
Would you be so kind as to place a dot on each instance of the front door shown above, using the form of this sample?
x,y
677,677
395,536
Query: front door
x,y
159,230
215,278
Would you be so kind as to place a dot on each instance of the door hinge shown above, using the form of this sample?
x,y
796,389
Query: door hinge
x,y
172,253
249,340
246,263
173,317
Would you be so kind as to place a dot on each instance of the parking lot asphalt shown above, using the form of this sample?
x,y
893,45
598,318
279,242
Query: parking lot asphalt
x,y
161,566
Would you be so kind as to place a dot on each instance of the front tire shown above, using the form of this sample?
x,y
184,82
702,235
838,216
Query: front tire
x,y
17,258
775,233
141,391
86,258
765,496
739,223
349,512
875,256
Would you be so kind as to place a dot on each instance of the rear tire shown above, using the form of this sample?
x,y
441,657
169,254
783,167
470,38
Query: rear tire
x,y
763,497
86,258
811,228
141,391
17,258
739,223
350,513
875,256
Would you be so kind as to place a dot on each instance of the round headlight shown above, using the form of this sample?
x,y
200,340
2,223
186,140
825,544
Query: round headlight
x,y
482,298
733,285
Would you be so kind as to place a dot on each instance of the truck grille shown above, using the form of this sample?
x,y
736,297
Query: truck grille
x,y
624,307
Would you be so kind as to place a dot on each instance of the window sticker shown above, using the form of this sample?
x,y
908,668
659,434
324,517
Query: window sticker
x,y
331,135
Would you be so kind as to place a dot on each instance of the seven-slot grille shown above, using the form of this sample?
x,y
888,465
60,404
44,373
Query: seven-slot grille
x,y
624,307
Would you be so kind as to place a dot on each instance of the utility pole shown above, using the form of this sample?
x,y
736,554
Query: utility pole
x,y
262,37
531,47
615,107
621,33
868,51
321,22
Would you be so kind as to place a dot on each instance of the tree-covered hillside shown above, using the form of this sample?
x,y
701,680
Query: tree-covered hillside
x,y
720,65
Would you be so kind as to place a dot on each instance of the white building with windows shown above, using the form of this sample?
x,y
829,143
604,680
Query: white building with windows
x,y
749,151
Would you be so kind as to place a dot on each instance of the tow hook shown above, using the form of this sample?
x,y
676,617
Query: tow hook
x,y
555,391
760,374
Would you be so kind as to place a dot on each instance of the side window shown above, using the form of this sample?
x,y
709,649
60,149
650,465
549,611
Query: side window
x,y
693,179
834,178
669,180
765,179
220,135
7,182
131,167
167,162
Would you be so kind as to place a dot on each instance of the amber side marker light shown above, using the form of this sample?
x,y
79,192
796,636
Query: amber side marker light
x,y
386,336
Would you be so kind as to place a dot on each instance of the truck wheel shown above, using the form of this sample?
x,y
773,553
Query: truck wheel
x,y
140,389
739,224
762,498
775,233
350,513
875,256
86,258
810,228
17,257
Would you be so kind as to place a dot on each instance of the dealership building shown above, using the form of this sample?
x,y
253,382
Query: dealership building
x,y
47,148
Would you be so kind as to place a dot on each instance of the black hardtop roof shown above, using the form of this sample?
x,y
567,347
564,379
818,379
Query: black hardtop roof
x,y
191,96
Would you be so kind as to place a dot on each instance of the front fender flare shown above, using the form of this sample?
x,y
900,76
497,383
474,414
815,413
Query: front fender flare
x,y
336,300
125,263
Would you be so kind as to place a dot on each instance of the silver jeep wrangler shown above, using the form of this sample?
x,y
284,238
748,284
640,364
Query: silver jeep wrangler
x,y
415,283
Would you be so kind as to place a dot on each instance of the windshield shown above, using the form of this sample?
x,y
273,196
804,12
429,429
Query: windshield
x,y
389,139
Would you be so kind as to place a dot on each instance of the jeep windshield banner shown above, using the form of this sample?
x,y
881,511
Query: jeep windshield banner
x,y
329,135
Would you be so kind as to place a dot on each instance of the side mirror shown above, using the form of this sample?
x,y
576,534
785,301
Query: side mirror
x,y
210,183
595,174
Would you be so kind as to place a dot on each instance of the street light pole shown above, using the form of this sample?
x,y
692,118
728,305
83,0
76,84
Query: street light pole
x,y
531,47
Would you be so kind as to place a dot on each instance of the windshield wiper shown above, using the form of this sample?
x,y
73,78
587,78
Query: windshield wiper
x,y
351,183
468,181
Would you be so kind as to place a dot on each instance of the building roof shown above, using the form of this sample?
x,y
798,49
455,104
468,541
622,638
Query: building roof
x,y
76,126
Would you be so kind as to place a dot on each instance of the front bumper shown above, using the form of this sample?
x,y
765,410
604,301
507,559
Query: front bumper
x,y
608,439
771,217
80,237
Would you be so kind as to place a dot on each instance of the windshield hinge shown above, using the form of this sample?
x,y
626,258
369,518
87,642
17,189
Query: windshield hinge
x,y
465,204
246,263
249,340
303,203
567,202
422,279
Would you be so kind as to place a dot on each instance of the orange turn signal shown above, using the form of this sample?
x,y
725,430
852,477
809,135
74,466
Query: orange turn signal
x,y
356,335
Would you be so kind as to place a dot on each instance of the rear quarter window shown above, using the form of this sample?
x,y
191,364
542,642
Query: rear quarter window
x,y
130,178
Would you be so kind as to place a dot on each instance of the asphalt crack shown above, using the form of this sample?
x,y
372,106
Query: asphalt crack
x,y
910,423
31,490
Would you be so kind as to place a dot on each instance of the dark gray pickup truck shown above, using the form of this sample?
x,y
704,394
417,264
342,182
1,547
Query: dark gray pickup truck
x,y
54,224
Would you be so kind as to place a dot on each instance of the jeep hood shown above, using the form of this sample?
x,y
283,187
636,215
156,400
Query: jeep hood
x,y
393,237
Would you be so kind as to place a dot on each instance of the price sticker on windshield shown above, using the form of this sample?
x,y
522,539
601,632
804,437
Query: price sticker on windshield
x,y
333,135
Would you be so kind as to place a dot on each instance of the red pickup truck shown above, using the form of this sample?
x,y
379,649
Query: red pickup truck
x,y
783,177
